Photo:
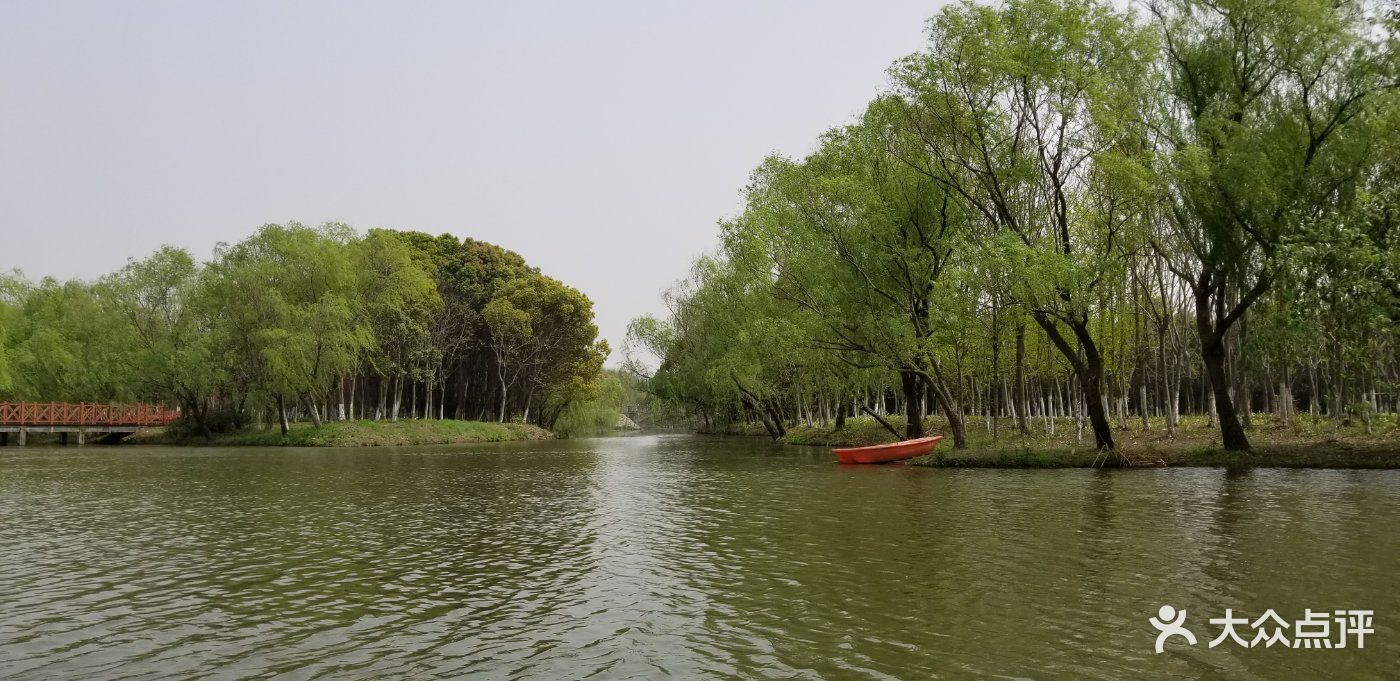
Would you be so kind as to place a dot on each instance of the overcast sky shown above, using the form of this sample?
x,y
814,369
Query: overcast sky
x,y
601,140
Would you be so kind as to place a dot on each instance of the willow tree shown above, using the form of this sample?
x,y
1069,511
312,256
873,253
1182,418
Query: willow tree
x,y
1265,128
64,343
288,299
858,241
689,343
730,346
677,380
172,354
1026,113
399,302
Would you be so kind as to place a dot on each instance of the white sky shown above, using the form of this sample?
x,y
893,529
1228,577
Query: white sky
x,y
600,140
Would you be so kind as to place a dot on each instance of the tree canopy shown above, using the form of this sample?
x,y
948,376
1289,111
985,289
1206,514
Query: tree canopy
x,y
1095,191
316,323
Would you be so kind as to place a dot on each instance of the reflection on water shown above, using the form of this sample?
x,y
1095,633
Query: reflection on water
x,y
674,555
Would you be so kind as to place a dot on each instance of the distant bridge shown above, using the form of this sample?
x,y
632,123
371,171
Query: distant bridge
x,y
111,422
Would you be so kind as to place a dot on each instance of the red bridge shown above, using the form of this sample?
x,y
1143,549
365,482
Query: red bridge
x,y
112,421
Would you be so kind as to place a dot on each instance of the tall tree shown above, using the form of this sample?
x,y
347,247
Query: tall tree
x,y
1265,129
399,304
542,332
1026,114
859,242
288,296
173,359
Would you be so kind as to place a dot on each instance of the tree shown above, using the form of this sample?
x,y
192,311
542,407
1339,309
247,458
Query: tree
x,y
858,242
66,345
289,296
399,304
1026,114
1265,129
172,358
300,322
542,331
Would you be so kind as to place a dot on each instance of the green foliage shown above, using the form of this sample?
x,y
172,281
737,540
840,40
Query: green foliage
x,y
399,304
359,434
63,343
291,294
1116,189
542,334
299,322
594,410
171,353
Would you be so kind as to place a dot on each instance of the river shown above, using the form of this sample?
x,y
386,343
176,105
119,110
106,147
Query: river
x,y
647,556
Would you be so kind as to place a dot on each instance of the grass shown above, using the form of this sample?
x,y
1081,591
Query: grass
x,y
1308,442
354,434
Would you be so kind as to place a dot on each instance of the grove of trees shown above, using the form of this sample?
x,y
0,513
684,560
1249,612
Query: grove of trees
x,y
314,323
1071,208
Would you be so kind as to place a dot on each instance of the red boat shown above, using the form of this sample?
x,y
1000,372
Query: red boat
x,y
895,451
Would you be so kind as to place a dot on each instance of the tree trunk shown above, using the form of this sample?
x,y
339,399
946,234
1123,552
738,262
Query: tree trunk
x,y
312,409
1022,405
198,411
776,416
1092,385
772,419
763,417
1077,405
881,420
282,415
461,411
504,393
1211,332
1232,435
1174,400
1212,419
1122,405
1164,380
913,405
1142,405
951,409
1312,388
1090,370
1244,391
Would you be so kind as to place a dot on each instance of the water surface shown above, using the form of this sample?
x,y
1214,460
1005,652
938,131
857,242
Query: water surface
x,y
651,556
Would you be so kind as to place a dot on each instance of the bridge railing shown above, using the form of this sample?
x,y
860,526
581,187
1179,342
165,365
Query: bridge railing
x,y
84,414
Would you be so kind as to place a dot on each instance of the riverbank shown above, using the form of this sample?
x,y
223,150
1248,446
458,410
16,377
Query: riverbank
x,y
353,434
1308,442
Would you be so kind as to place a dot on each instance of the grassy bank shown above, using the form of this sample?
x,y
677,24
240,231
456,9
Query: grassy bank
x,y
354,434
1306,443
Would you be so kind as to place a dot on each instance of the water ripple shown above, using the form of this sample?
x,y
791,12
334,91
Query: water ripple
x,y
657,557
